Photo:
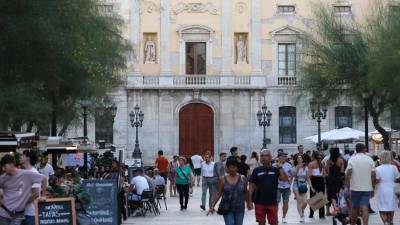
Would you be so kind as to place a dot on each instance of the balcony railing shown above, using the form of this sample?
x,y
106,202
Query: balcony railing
x,y
287,81
197,81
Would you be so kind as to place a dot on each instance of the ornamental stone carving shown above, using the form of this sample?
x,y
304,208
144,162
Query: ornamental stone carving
x,y
195,8
241,7
149,6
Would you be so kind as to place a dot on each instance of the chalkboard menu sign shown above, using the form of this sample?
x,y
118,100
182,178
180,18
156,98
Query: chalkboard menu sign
x,y
55,211
103,206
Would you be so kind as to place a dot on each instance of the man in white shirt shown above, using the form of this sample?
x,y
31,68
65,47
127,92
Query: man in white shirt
x,y
28,159
45,168
197,160
361,177
209,181
138,185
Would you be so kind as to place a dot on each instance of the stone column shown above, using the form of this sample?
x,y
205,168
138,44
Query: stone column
x,y
256,37
165,37
135,35
226,40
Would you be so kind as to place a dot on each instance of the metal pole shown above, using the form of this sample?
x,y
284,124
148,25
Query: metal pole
x,y
366,125
265,137
137,149
85,155
319,132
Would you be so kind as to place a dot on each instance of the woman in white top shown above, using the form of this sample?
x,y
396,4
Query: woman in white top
x,y
301,184
253,162
386,176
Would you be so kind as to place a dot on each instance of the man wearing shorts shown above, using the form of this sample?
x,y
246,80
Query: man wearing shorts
x,y
264,189
361,177
197,160
284,185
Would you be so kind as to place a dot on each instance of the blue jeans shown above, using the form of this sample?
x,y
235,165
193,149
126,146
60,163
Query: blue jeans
x,y
29,220
234,218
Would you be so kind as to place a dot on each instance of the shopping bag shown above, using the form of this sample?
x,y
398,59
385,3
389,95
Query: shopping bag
x,y
317,201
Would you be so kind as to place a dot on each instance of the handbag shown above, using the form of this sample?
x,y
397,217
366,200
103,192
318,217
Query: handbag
x,y
302,188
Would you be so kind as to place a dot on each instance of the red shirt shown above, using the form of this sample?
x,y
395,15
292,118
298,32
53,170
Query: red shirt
x,y
162,164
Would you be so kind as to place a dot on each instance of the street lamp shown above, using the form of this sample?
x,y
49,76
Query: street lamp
x,y
264,120
85,104
365,97
136,118
318,114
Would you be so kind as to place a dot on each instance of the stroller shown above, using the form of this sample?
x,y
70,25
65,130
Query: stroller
x,y
340,211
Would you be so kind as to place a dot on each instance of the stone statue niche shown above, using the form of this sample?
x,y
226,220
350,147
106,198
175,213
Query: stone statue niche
x,y
241,48
150,49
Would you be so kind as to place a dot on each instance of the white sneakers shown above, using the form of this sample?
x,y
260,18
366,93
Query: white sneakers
x,y
302,219
284,221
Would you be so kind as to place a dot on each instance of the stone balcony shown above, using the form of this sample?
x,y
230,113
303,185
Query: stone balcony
x,y
252,82
196,82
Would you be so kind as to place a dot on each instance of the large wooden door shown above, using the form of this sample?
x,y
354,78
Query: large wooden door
x,y
196,129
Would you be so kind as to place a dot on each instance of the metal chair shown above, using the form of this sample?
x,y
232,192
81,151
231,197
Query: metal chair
x,y
160,195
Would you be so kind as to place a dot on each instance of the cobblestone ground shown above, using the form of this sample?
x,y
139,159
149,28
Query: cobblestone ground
x,y
195,216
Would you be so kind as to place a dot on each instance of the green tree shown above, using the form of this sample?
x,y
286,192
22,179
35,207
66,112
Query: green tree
x,y
53,54
361,60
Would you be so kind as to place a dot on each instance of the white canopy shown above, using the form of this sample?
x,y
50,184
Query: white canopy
x,y
345,134
377,132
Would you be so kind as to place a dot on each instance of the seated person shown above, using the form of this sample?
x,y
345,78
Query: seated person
x,y
160,181
150,180
138,185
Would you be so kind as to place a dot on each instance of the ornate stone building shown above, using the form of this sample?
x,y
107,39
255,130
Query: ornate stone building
x,y
201,70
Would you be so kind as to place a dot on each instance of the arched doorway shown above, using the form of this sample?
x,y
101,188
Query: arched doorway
x,y
196,129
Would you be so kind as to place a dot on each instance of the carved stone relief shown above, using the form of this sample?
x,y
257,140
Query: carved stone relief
x,y
195,8
149,6
241,7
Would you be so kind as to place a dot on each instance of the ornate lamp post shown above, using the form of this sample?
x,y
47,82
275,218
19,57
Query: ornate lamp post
x,y
136,118
113,112
85,104
264,120
319,115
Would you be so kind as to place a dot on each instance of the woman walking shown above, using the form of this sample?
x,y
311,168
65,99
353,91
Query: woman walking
x,y
182,181
172,176
335,172
300,187
316,173
233,189
253,161
386,176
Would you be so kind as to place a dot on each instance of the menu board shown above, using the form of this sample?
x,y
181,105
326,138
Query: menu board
x,y
103,201
55,211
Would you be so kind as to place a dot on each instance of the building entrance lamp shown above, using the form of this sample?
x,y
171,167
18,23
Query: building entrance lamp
x,y
318,112
136,116
264,120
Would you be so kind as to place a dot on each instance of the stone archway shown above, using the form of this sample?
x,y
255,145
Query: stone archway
x,y
196,129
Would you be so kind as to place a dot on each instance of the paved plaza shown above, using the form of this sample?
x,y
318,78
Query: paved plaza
x,y
195,216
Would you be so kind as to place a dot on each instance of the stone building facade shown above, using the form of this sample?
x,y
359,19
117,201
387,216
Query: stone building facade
x,y
201,69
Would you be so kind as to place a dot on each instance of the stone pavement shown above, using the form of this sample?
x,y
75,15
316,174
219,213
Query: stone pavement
x,y
195,216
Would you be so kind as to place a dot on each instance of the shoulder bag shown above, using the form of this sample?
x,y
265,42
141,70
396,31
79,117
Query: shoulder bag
x,y
301,186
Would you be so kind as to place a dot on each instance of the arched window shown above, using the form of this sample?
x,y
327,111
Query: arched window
x,y
343,116
287,125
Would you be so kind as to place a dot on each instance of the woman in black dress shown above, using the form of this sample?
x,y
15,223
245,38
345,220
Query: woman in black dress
x,y
335,171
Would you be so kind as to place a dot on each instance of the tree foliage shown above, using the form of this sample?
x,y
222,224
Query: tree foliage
x,y
53,54
361,60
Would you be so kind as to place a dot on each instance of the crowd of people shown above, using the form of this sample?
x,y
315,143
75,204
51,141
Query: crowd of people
x,y
261,182
348,179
